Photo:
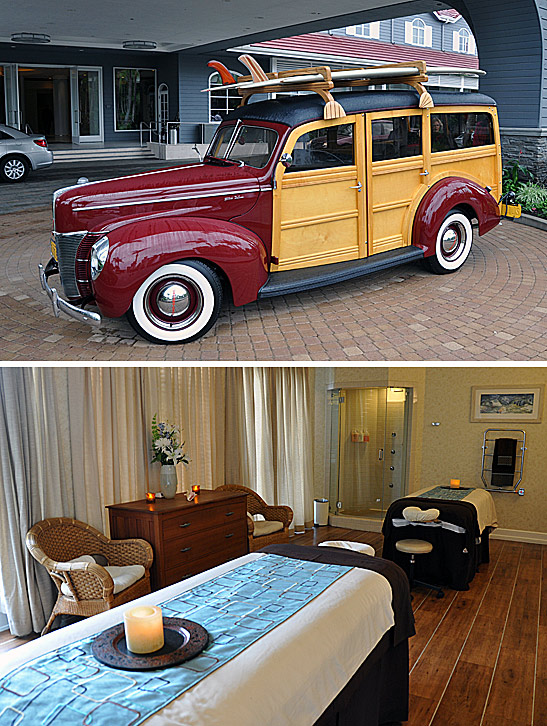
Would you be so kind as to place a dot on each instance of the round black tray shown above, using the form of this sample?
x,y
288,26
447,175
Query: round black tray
x,y
184,639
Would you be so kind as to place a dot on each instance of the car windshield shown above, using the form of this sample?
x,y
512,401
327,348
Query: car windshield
x,y
251,145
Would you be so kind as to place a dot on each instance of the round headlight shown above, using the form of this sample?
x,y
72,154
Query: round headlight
x,y
99,253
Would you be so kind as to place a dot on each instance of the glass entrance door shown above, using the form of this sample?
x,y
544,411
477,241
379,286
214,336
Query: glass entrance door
x,y
11,95
369,435
87,112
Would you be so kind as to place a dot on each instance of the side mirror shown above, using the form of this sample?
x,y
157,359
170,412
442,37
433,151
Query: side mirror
x,y
286,160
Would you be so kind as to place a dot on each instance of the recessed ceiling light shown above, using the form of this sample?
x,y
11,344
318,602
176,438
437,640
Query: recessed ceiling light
x,y
30,38
139,44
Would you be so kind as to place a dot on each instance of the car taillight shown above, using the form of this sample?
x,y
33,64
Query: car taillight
x,y
41,142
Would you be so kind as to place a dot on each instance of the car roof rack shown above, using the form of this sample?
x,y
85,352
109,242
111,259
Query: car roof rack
x,y
322,80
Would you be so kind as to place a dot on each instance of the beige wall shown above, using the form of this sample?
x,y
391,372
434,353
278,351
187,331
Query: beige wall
x,y
453,449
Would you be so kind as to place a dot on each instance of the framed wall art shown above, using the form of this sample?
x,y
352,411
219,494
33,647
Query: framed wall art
x,y
507,404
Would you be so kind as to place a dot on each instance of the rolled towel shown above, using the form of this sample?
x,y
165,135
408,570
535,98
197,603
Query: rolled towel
x,y
415,514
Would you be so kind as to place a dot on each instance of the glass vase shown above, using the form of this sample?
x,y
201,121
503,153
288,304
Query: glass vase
x,y
168,480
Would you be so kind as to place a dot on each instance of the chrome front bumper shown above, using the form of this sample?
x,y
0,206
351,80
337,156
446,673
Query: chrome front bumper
x,y
84,316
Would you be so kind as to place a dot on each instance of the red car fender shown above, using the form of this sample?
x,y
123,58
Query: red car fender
x,y
140,247
444,196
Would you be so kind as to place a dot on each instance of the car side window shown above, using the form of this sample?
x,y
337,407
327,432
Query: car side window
x,y
325,147
396,138
460,130
3,135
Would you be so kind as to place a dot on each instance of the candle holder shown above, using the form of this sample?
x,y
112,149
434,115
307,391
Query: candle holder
x,y
196,488
454,483
183,639
150,496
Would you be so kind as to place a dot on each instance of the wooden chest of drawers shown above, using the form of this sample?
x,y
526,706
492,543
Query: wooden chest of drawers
x,y
187,537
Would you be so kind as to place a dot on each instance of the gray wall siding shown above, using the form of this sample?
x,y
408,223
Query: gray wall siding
x,y
542,9
511,45
193,77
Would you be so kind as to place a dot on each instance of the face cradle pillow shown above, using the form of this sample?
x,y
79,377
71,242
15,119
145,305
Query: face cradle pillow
x,y
415,514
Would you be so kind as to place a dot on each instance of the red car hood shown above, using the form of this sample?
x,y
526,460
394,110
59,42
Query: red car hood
x,y
218,191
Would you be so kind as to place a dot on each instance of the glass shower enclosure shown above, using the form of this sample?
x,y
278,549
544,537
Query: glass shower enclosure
x,y
369,435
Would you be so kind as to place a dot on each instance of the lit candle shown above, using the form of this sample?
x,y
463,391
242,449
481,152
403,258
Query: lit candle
x,y
196,488
454,483
150,496
143,629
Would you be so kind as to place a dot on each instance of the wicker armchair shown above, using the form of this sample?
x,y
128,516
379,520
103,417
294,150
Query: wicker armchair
x,y
258,532
53,542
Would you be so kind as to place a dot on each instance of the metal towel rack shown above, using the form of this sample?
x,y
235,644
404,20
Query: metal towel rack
x,y
488,444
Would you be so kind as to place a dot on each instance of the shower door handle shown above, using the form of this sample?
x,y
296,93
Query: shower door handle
x,y
380,454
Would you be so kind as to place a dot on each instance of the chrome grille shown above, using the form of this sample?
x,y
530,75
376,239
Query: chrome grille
x,y
67,246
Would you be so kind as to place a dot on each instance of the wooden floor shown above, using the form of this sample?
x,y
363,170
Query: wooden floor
x,y
479,658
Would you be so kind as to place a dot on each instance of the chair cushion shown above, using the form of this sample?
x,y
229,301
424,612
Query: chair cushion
x,y
123,577
364,549
263,527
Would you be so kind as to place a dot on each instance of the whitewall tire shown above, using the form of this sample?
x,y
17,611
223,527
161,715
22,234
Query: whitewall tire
x,y
177,303
452,245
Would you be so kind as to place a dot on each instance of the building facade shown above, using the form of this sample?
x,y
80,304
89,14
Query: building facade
x,y
78,95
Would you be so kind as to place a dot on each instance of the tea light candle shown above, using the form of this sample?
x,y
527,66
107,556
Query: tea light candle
x,y
143,629
196,488
454,483
150,496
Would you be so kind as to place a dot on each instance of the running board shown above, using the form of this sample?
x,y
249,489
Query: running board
x,y
306,278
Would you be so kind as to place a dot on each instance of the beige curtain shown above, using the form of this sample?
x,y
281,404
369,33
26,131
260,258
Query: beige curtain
x,y
124,403
45,426
269,442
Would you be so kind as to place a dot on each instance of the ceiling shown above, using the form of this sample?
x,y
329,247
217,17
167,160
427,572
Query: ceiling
x,y
184,24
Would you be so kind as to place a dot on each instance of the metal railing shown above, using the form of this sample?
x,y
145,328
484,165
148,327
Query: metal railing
x,y
151,128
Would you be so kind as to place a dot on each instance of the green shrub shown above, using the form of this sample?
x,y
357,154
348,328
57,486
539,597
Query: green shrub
x,y
514,175
533,197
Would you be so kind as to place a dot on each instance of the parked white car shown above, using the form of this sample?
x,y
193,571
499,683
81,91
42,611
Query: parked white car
x,y
19,153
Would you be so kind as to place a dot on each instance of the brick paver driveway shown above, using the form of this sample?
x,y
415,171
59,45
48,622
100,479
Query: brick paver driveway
x,y
495,308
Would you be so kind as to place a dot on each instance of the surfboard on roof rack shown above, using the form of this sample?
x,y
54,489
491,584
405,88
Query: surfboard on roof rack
x,y
321,80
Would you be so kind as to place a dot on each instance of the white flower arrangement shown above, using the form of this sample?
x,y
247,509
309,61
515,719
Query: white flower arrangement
x,y
166,445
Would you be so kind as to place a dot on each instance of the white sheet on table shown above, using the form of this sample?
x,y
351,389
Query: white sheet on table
x,y
480,499
288,676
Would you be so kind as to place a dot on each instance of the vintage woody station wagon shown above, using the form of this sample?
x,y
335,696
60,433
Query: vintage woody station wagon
x,y
294,192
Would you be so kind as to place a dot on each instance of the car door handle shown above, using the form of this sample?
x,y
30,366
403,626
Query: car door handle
x,y
424,173
358,187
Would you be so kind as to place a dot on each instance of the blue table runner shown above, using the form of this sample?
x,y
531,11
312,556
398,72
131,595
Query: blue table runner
x,y
68,687
445,493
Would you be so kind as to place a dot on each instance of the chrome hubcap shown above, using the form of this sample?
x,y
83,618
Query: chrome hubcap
x,y
173,303
14,169
453,240
173,300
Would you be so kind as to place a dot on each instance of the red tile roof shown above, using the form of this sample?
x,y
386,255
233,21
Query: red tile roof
x,y
319,44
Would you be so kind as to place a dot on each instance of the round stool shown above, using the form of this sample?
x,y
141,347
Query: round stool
x,y
364,549
415,547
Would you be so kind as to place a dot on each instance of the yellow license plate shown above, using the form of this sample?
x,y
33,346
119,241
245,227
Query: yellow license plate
x,y
53,248
510,210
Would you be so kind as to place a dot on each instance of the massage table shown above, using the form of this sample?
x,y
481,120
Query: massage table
x,y
460,538
340,660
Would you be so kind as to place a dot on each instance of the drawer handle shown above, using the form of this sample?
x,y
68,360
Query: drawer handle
x,y
186,524
186,549
229,514
227,536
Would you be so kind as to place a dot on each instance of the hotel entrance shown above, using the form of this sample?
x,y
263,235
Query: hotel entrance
x,y
62,103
